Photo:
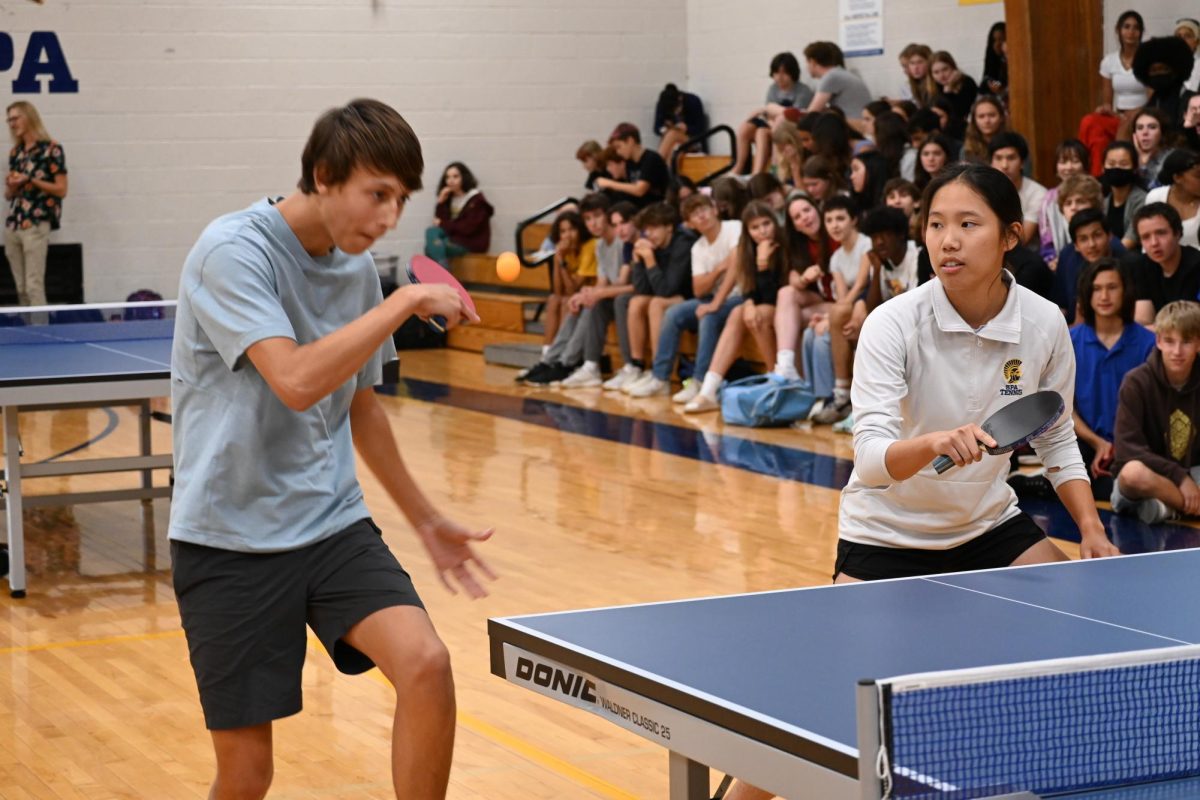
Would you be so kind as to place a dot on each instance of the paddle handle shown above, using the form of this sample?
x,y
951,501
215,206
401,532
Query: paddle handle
x,y
942,463
438,323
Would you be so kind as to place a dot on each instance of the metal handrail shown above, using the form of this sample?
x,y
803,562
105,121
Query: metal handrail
x,y
525,223
701,139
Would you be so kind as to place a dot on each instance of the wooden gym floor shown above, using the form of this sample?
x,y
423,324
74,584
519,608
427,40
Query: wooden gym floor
x,y
597,500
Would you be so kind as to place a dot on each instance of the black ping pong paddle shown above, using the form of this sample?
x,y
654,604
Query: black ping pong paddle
x,y
1015,424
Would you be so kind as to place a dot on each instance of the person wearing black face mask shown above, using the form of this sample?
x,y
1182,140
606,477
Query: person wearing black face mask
x,y
1125,194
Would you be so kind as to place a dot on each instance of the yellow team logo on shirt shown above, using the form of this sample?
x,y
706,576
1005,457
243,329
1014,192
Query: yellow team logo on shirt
x,y
1012,377
1180,434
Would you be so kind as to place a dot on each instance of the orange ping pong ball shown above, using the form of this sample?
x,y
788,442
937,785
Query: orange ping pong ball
x,y
508,267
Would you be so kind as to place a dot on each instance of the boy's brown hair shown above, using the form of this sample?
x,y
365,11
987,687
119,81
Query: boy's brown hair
x,y
363,133
660,215
1181,317
693,202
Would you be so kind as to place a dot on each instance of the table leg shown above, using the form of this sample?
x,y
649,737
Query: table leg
x,y
689,779
12,475
144,435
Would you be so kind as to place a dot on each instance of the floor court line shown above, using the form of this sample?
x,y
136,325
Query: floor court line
x,y
762,458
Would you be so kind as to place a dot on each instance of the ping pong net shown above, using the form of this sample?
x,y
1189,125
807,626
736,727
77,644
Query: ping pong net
x,y
1045,727
87,323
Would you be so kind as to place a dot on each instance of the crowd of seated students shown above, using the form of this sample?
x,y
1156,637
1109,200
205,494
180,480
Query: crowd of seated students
x,y
820,223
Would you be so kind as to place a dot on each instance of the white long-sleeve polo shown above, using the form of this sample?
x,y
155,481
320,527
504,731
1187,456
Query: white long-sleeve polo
x,y
921,368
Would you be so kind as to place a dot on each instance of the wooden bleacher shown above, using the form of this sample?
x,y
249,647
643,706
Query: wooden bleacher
x,y
698,166
508,311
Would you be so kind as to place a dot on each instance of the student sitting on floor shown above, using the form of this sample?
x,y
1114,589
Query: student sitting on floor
x,y
762,266
1090,242
1167,270
1157,451
1107,346
712,255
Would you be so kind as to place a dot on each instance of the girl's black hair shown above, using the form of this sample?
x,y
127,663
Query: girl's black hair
x,y
988,182
878,173
468,177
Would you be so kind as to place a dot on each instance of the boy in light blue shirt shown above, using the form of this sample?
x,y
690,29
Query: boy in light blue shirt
x,y
281,334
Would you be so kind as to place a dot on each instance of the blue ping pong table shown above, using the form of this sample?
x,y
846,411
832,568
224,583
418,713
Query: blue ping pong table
x,y
78,365
785,689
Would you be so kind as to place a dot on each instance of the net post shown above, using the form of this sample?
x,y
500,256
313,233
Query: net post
x,y
867,694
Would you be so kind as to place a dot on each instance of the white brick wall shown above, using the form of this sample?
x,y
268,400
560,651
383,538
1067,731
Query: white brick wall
x,y
730,45
191,108
1160,16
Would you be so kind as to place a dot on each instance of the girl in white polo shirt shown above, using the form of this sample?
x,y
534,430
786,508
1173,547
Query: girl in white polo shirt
x,y
931,364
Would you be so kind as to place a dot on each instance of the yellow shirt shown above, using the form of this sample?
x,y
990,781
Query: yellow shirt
x,y
587,261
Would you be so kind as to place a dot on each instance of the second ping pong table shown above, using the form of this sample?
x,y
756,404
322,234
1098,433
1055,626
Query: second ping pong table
x,y
81,364
788,689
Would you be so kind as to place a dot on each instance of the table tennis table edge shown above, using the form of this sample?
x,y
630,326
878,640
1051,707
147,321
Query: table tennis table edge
x,y
828,754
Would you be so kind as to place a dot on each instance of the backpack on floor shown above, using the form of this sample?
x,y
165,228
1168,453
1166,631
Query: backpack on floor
x,y
763,401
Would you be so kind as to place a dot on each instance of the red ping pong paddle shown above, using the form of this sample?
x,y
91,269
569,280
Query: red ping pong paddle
x,y
423,269
1015,424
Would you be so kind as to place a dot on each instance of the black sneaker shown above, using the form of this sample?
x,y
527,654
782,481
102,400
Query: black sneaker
x,y
547,374
1038,486
531,375
3,561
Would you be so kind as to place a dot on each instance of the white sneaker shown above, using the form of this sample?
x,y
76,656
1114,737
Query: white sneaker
x,y
700,404
787,374
627,373
1152,511
691,388
585,377
627,387
650,387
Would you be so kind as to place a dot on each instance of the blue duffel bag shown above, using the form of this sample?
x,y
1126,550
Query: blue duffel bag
x,y
762,401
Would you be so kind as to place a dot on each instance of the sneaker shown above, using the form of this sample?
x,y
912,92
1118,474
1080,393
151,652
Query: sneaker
x,y
649,387
628,386
691,388
833,412
700,404
627,373
1031,485
547,376
817,408
533,374
845,425
786,374
1154,511
585,377
563,372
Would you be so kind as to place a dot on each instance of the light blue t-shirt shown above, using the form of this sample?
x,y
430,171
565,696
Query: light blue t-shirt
x,y
251,474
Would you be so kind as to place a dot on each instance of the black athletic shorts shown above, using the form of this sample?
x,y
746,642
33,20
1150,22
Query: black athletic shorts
x,y
245,614
998,547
